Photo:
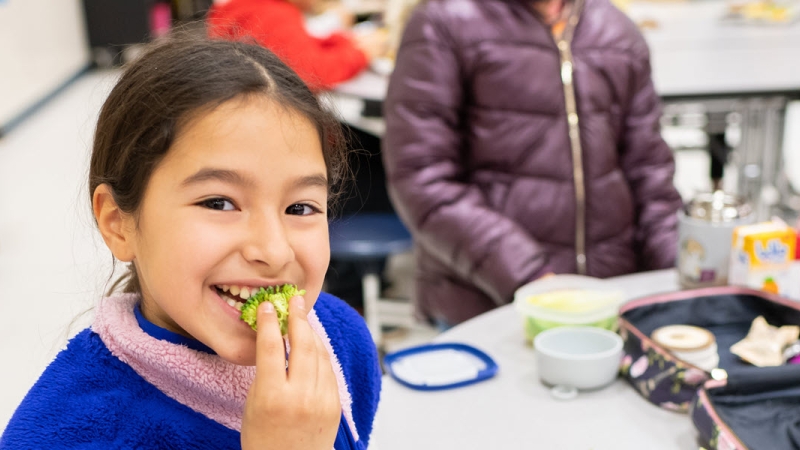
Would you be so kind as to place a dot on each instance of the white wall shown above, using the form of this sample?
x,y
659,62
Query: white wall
x,y
42,44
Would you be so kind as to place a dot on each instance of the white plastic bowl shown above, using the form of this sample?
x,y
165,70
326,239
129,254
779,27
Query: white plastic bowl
x,y
578,357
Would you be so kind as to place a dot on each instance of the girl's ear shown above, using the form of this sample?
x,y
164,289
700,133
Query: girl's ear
x,y
115,225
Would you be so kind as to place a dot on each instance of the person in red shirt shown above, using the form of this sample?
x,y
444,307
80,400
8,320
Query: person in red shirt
x,y
279,25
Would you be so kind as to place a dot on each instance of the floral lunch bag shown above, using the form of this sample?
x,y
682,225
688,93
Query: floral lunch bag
x,y
736,405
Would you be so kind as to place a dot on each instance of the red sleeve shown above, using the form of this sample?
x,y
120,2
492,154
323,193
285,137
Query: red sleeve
x,y
279,26
322,63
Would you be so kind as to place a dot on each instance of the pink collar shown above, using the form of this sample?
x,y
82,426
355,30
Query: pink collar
x,y
205,383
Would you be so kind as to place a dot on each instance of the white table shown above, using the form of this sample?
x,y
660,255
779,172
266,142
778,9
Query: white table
x,y
695,53
348,100
514,410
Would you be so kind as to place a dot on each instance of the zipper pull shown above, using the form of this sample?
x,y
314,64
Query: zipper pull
x,y
566,72
719,374
566,64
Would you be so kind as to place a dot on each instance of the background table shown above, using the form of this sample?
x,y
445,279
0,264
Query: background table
x,y
694,53
734,73
514,410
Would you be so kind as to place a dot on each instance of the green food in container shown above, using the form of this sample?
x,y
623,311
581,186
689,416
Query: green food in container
x,y
552,303
536,326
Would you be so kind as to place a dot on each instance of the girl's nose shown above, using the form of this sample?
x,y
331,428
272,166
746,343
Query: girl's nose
x,y
268,243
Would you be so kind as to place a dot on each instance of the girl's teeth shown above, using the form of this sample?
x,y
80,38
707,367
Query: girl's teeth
x,y
234,304
237,291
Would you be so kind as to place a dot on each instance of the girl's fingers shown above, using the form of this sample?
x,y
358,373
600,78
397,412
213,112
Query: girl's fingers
x,y
298,412
270,352
302,356
327,387
324,367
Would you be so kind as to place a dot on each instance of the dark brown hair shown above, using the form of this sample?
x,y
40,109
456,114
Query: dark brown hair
x,y
172,82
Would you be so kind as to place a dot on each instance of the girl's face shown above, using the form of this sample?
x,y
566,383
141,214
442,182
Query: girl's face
x,y
239,200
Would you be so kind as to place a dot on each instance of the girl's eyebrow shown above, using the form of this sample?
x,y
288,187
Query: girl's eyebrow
x,y
317,180
233,177
224,175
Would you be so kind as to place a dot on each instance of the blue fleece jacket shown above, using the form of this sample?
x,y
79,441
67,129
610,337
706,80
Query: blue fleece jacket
x,y
87,398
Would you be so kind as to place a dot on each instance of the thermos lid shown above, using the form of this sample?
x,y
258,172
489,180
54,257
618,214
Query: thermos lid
x,y
717,207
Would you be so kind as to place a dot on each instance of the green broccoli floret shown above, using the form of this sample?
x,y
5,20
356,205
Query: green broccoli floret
x,y
278,296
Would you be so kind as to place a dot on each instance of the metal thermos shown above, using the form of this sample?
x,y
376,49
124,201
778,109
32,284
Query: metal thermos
x,y
705,233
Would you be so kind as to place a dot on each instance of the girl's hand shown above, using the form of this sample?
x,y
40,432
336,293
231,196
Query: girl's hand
x,y
372,43
296,408
346,17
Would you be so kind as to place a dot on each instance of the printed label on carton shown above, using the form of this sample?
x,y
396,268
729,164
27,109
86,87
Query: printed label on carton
x,y
762,256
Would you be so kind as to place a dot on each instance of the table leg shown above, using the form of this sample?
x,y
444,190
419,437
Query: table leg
x,y
760,153
718,151
371,286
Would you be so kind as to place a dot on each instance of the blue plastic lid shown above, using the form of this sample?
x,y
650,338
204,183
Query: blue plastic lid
x,y
434,367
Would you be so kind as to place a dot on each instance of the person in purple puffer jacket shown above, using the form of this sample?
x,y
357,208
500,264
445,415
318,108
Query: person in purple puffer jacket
x,y
523,139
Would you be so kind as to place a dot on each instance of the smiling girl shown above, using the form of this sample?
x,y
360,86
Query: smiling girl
x,y
212,170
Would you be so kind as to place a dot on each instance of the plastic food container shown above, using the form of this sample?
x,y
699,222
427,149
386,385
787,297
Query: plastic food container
x,y
567,300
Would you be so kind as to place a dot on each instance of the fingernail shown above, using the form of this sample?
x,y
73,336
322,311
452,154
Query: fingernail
x,y
300,301
268,308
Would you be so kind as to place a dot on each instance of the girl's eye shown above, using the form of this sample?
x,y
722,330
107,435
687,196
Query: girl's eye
x,y
219,204
299,209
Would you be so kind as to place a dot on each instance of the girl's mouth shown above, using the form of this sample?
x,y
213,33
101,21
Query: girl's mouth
x,y
235,296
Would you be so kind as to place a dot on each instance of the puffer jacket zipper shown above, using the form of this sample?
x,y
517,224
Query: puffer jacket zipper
x,y
565,52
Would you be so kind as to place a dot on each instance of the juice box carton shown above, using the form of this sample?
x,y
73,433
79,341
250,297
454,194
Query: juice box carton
x,y
762,256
